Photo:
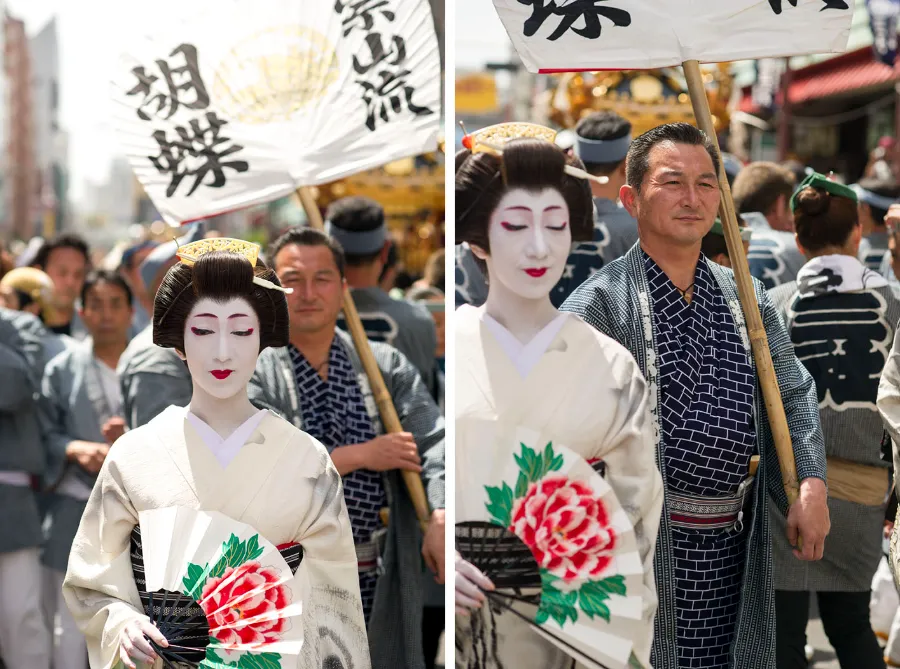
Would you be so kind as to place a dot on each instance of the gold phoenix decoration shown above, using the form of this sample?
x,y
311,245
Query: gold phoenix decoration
x,y
646,98
275,73
498,135
191,253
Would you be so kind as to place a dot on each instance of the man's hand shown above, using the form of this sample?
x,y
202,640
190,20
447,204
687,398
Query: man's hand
x,y
391,451
433,545
470,584
113,429
808,518
89,454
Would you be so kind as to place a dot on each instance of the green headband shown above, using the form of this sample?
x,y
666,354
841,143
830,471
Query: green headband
x,y
816,180
717,229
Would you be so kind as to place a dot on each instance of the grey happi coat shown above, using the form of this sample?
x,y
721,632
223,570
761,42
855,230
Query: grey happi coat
x,y
617,302
395,627
23,421
77,407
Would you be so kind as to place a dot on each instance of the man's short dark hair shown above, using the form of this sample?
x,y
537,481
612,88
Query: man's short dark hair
x,y
638,159
308,237
885,188
105,276
603,126
64,241
357,214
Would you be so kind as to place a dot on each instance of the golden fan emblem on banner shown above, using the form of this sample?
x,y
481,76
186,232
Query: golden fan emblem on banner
x,y
274,74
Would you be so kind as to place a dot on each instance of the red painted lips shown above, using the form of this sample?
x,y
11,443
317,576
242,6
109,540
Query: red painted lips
x,y
536,273
221,373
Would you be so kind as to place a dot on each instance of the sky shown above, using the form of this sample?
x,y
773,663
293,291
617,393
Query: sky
x,y
480,37
91,34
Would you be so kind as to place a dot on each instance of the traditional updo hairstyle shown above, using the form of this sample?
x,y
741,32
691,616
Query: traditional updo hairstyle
x,y
220,276
823,220
482,179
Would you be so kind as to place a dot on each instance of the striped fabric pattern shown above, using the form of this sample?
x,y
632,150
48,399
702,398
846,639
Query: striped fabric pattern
x,y
705,413
611,302
336,415
395,627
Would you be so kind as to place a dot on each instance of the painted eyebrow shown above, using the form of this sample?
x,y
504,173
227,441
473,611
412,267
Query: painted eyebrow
x,y
214,316
554,207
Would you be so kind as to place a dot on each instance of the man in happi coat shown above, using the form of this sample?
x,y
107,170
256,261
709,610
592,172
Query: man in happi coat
x,y
84,403
358,224
318,383
24,641
680,317
762,193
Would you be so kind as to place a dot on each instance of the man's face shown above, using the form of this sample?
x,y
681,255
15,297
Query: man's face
x,y
318,288
67,267
679,197
107,314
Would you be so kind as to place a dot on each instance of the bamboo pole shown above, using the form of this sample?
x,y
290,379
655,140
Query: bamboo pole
x,y
757,333
382,397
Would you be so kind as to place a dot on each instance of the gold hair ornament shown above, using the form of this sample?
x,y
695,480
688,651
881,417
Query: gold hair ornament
x,y
191,253
492,139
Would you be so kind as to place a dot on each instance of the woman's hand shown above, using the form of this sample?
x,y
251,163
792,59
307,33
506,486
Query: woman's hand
x,y
133,644
470,583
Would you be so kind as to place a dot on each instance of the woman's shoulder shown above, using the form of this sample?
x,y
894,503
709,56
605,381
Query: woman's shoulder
x,y
599,353
303,449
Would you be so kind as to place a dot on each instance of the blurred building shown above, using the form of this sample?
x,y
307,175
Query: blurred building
x,y
827,110
20,162
50,143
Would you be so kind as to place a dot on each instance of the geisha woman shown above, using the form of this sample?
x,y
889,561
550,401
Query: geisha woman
x,y
218,309
524,365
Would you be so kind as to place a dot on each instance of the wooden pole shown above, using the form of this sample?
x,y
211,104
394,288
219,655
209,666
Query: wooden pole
x,y
757,333
382,397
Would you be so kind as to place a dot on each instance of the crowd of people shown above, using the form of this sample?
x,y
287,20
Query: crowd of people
x,y
732,587
82,367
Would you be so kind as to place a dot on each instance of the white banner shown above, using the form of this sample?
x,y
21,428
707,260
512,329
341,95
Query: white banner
x,y
565,35
253,98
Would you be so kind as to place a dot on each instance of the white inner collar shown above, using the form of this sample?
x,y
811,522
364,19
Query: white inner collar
x,y
226,450
525,356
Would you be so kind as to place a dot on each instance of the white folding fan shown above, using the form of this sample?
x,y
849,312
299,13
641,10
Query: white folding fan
x,y
249,99
550,533
221,594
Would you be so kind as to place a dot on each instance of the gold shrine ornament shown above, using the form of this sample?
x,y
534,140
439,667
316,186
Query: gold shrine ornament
x,y
191,253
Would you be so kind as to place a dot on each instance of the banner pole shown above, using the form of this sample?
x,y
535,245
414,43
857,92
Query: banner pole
x,y
380,392
758,340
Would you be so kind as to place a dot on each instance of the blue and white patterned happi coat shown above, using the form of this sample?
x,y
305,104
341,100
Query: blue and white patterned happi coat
x,y
617,302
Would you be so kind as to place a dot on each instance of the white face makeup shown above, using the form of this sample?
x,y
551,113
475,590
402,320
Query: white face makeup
x,y
530,239
221,345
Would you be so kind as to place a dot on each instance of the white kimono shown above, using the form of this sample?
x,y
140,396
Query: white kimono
x,y
583,390
281,482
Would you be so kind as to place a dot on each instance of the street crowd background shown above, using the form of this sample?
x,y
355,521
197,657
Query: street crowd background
x,y
82,253
778,121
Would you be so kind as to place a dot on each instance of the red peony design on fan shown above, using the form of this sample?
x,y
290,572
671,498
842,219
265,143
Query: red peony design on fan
x,y
241,594
566,528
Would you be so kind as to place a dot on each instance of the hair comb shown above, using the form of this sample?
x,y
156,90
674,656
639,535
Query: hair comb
x,y
191,253
492,139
